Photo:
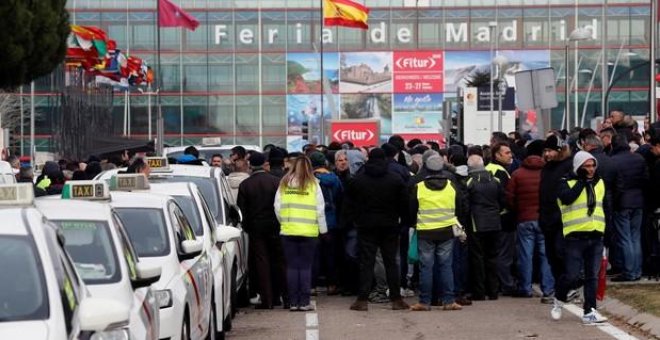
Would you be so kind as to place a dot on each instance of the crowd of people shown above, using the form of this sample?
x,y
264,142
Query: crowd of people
x,y
450,225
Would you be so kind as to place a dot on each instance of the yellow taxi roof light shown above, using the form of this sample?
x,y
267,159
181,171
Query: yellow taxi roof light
x,y
86,190
158,164
129,182
16,194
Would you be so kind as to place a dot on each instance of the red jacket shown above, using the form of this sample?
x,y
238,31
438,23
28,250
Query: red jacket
x,y
522,191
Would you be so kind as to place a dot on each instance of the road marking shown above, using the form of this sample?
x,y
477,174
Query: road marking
x,y
606,327
312,324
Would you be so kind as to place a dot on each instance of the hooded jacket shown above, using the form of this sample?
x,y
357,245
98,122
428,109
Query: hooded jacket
x,y
631,178
567,195
551,175
377,198
522,191
487,200
437,182
332,195
235,179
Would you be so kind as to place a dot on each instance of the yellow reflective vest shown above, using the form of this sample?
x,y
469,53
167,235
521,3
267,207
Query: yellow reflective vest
x,y
437,208
494,168
574,216
298,212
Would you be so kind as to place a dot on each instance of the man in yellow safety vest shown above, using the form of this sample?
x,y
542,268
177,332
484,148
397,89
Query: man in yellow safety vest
x,y
581,203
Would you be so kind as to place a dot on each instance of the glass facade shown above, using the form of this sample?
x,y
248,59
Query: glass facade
x,y
232,77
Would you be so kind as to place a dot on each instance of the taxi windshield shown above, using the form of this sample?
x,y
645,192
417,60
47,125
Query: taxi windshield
x,y
91,247
207,186
189,208
23,290
146,229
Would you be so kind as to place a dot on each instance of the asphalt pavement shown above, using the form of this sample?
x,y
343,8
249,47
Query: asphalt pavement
x,y
506,318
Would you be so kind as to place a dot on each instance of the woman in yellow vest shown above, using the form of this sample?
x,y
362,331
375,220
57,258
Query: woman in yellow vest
x,y
300,208
581,204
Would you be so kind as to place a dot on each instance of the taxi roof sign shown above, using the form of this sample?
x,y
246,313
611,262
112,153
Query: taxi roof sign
x,y
129,182
158,164
86,190
211,141
16,194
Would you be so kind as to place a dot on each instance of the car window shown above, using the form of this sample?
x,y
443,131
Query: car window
x,y
187,204
90,245
128,252
184,225
207,186
209,219
146,230
23,291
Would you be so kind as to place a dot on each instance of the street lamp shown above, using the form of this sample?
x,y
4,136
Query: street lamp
x,y
578,34
501,62
492,25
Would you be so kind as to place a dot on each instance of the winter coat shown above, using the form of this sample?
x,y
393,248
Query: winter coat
x,y
438,182
551,175
486,199
377,198
256,196
332,195
277,171
567,195
606,170
522,191
235,179
631,178
399,170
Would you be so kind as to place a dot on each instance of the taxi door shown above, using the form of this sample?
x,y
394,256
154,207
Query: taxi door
x,y
144,311
197,277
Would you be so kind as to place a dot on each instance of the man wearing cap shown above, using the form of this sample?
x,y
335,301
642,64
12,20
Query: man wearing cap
x,y
376,200
436,202
256,197
581,197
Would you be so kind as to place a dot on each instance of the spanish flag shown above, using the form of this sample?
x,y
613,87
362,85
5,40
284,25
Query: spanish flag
x,y
345,13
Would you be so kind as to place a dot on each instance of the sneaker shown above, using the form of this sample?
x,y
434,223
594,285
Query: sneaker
x,y
420,307
307,308
555,313
593,318
294,309
452,306
378,297
573,294
360,305
406,292
548,299
399,304
463,301
256,300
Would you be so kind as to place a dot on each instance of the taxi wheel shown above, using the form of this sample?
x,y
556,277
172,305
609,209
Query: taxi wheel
x,y
185,328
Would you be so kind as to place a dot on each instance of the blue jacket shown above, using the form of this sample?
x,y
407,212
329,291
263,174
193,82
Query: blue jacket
x,y
332,194
631,178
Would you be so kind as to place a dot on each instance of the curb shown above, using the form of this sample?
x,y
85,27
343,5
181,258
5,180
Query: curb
x,y
648,323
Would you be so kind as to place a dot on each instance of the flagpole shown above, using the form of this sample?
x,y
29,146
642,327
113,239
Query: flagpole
x,y
322,121
159,121
654,36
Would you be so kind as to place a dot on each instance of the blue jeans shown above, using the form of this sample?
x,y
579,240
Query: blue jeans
x,y
430,253
460,266
581,255
530,239
628,241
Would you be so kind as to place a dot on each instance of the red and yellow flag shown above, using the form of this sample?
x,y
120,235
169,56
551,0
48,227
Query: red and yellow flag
x,y
345,13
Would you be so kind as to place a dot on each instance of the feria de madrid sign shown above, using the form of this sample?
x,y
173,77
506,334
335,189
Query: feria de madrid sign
x,y
451,32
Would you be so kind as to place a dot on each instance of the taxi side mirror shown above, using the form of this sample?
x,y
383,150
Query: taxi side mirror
x,y
146,275
191,248
97,314
225,234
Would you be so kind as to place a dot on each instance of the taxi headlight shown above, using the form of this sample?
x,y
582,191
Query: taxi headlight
x,y
112,334
164,298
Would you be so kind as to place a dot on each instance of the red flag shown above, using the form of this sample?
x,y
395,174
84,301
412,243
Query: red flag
x,y
170,15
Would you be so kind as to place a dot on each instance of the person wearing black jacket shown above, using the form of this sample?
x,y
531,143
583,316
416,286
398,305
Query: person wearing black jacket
x,y
256,196
486,201
377,200
628,203
558,164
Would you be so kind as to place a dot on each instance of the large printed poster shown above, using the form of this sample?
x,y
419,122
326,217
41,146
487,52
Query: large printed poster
x,y
418,71
304,76
365,72
417,113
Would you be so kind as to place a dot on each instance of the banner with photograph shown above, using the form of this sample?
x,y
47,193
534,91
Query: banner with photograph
x,y
307,108
417,115
365,72
369,105
461,66
418,72
303,75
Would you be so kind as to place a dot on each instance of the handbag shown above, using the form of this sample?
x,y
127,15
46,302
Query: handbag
x,y
413,252
459,231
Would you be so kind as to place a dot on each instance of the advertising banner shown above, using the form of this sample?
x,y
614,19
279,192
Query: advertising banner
x,y
483,98
419,113
363,132
418,72
304,75
362,72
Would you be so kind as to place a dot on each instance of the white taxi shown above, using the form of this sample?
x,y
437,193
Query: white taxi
x,y
103,255
162,235
42,295
215,241
213,186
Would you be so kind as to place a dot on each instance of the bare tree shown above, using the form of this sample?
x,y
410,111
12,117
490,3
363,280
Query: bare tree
x,y
10,110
